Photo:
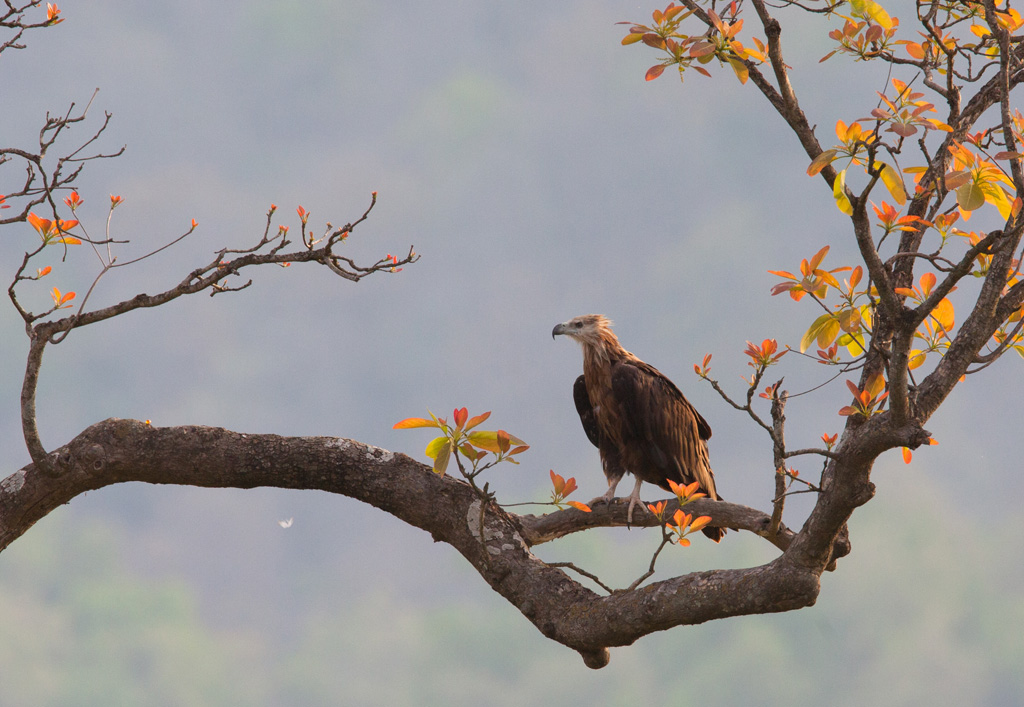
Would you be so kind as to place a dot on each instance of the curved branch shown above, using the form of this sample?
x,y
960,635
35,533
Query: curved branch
x,y
537,530
116,451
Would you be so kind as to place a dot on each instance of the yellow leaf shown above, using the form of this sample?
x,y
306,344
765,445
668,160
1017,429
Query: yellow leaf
x,y
822,324
854,343
828,333
995,195
917,358
980,31
839,192
894,183
866,312
740,69
870,10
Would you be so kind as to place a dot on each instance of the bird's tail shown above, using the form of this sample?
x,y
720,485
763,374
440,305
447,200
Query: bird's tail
x,y
714,533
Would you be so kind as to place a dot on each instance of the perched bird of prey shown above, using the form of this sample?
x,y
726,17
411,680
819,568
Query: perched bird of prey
x,y
637,418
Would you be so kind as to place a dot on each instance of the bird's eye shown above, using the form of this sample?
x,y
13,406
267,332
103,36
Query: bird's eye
x,y
578,324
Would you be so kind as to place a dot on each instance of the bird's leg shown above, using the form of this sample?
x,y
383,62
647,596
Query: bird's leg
x,y
609,495
634,498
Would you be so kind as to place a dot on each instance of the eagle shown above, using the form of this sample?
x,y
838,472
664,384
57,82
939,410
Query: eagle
x,y
637,418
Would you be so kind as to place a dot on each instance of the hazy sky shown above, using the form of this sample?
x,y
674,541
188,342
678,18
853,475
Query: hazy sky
x,y
518,148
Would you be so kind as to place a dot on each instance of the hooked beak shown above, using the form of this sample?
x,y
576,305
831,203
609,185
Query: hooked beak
x,y
559,329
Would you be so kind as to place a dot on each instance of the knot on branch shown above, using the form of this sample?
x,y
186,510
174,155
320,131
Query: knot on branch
x,y
914,437
93,459
596,659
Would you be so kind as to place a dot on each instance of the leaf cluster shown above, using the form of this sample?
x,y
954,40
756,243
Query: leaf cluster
x,y
719,40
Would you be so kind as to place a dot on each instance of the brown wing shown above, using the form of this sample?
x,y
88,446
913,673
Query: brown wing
x,y
611,462
664,435
587,415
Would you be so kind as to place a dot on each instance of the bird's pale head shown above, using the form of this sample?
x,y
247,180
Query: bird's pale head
x,y
588,329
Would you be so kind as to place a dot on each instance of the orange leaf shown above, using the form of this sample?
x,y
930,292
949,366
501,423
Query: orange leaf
x,y
580,506
821,161
570,486
557,481
60,300
700,522
654,72
410,422
41,225
476,420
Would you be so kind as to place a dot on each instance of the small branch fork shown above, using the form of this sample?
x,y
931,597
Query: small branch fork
x,y
12,19
212,277
41,183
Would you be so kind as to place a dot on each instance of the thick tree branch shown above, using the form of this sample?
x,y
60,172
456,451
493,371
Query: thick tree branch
x,y
116,451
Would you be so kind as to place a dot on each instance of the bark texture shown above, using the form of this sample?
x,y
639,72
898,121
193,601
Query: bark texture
x,y
563,609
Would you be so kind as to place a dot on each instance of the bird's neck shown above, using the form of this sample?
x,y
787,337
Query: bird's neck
x,y
600,354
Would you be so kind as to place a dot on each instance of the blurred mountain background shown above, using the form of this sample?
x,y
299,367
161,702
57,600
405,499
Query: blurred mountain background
x,y
519,149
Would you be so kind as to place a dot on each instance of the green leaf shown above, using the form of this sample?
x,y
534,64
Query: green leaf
x,y
488,439
970,196
854,343
435,446
484,439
